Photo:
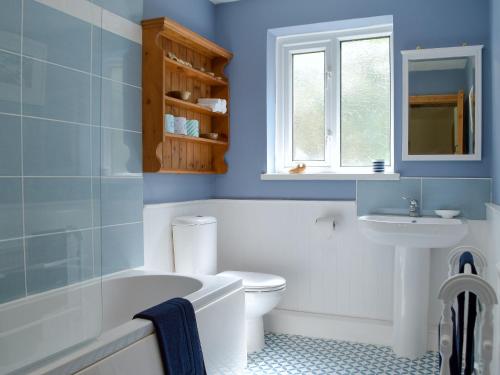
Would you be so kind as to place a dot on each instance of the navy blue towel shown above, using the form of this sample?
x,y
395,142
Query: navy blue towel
x,y
467,258
177,335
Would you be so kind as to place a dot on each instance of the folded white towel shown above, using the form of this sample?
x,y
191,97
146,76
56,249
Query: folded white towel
x,y
211,100
216,105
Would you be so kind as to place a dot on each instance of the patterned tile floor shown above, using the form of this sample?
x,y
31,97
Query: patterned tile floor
x,y
286,354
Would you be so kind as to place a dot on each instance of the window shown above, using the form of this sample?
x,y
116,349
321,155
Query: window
x,y
334,100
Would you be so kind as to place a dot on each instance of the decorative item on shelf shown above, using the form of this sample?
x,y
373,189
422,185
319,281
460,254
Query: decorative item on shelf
x,y
172,56
300,168
193,128
378,166
211,74
183,95
447,214
180,125
169,123
212,136
202,69
215,104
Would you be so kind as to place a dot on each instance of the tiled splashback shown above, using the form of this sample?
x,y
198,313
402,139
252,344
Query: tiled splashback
x,y
468,195
70,143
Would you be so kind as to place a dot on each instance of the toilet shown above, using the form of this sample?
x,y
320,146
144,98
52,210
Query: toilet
x,y
195,252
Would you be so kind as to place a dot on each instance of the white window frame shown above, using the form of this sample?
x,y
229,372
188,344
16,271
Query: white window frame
x,y
287,91
330,42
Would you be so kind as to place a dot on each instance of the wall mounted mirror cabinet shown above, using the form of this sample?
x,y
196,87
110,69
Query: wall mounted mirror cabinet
x,y
442,103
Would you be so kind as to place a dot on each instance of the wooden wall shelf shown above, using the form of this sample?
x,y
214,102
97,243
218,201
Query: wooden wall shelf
x,y
187,138
184,171
192,107
174,66
174,153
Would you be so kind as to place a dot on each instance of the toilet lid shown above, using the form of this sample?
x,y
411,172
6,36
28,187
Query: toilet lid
x,y
258,282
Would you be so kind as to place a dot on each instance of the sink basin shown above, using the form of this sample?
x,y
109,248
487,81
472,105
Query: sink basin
x,y
426,232
412,238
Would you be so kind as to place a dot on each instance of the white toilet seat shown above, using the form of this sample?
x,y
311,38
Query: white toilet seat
x,y
258,282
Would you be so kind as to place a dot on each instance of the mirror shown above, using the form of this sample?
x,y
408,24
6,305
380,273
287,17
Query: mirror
x,y
442,104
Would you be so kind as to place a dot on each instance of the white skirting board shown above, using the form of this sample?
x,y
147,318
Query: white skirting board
x,y
335,327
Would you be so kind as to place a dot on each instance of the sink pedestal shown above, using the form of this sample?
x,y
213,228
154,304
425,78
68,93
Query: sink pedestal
x,y
412,237
411,301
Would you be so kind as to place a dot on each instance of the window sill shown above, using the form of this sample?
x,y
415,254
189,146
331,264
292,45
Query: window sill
x,y
328,176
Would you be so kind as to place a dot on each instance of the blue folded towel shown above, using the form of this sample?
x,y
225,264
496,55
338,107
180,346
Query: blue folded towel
x,y
177,335
467,258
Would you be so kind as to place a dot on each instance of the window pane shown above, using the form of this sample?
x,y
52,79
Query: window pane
x,y
365,102
309,106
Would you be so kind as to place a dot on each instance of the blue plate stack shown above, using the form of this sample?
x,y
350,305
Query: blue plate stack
x,y
378,166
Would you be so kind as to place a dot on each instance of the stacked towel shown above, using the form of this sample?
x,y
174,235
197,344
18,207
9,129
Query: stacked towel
x,y
177,335
180,125
169,123
216,105
193,128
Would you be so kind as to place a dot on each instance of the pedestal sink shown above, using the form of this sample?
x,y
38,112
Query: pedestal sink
x,y
412,237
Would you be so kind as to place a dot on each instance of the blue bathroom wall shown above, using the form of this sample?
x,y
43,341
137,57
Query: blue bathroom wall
x,y
495,97
199,16
242,28
70,150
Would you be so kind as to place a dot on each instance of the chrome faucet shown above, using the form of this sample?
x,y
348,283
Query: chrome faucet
x,y
414,208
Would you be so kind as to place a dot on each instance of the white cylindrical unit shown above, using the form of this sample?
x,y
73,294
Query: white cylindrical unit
x,y
195,244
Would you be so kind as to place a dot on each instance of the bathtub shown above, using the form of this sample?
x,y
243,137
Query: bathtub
x,y
126,346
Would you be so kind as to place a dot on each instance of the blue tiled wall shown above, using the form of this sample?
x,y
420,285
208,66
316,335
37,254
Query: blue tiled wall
x,y
70,148
468,195
129,9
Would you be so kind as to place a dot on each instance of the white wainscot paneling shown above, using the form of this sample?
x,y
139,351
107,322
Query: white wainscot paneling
x,y
342,275
342,283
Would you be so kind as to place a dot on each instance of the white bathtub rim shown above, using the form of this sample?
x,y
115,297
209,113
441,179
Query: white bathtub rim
x,y
213,288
